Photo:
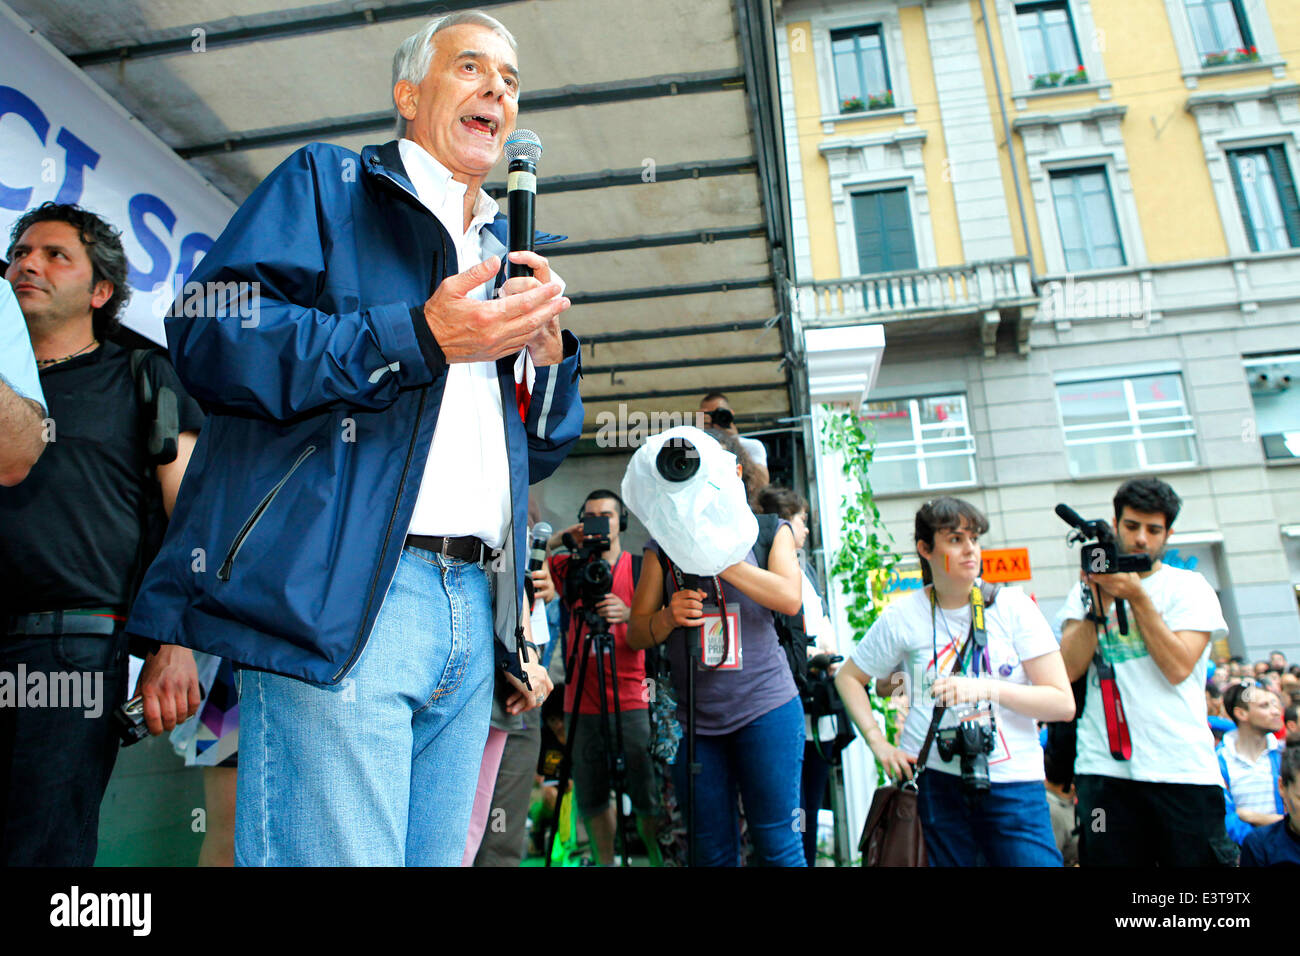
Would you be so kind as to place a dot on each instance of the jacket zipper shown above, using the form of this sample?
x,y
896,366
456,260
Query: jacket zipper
x,y
223,573
359,643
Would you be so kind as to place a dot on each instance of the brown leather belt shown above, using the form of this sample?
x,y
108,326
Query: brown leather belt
x,y
468,548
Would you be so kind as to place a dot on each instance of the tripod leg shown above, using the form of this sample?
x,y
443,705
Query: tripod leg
x,y
566,767
616,758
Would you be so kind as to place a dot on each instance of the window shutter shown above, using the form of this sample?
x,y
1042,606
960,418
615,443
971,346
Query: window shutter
x,y
1286,194
1233,158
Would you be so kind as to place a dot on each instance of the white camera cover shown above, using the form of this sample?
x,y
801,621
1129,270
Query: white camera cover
x,y
704,523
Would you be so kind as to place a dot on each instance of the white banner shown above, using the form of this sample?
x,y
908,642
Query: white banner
x,y
63,138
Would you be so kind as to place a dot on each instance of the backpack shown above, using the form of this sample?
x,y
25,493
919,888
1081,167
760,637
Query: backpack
x,y
790,632
158,411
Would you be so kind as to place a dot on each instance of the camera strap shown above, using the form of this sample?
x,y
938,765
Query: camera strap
x,y
679,582
1112,704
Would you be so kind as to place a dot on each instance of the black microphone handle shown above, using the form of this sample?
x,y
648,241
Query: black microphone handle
x,y
1069,516
521,206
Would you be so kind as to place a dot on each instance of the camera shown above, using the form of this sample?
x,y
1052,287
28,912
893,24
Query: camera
x,y
129,721
722,417
1100,552
589,577
971,740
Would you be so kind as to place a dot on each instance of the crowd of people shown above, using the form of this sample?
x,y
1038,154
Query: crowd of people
x,y
313,530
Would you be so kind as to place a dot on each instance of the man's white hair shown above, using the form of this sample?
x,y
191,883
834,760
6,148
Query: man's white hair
x,y
412,59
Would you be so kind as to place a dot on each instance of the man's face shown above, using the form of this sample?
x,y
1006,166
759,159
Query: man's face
x,y
466,106
1259,709
1290,798
1142,532
1277,661
52,277
710,404
604,508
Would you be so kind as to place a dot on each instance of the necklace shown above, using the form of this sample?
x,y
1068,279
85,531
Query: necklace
x,y
46,363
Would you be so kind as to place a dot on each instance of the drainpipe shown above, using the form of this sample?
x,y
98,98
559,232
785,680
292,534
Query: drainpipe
x,y
1011,149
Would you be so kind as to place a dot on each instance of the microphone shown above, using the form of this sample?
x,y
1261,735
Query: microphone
x,y
1069,516
523,150
537,548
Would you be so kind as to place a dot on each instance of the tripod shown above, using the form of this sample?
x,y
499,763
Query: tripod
x,y
598,639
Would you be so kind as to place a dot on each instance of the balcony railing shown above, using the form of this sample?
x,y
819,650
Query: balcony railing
x,y
969,288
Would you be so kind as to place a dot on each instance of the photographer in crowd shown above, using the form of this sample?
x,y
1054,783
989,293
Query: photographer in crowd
x,y
1249,759
984,802
1148,784
596,538
748,717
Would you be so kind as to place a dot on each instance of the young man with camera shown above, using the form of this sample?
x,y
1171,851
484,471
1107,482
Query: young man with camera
x,y
1147,780
579,577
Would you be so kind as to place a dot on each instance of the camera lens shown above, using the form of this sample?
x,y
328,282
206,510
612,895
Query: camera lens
x,y
678,460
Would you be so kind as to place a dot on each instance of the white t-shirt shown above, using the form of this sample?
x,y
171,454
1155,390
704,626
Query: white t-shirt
x,y
1017,632
1167,724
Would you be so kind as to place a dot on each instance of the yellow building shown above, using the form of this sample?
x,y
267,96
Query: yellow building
x,y
1078,223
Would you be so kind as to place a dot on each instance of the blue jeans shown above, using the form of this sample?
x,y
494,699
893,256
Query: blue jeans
x,y
762,760
1009,825
381,769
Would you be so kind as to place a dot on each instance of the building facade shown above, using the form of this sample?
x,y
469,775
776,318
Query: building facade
x,y
1078,223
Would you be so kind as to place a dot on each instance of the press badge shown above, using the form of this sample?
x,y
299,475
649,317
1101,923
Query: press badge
x,y
714,646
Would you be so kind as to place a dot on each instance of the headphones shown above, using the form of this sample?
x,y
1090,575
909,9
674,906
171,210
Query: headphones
x,y
605,493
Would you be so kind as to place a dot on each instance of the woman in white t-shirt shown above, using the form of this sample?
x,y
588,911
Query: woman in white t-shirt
x,y
1018,679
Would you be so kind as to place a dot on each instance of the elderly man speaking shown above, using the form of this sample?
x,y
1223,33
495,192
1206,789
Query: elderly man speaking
x,y
351,531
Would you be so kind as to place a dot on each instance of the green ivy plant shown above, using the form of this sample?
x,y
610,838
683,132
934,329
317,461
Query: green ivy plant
x,y
866,558
866,561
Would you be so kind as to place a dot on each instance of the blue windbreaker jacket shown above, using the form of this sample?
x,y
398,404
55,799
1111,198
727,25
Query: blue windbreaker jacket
x,y
322,401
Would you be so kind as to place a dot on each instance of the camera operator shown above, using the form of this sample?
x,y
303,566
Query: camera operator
x,y
748,716
982,798
1164,804
591,760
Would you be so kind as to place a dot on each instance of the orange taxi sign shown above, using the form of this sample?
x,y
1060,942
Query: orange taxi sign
x,y
1006,564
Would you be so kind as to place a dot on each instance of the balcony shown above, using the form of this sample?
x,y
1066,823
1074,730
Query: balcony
x,y
917,302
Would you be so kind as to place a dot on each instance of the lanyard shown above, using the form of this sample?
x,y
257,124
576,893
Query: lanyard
x,y
979,635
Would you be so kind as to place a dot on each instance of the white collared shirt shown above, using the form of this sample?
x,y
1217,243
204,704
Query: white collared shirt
x,y
466,485
1251,782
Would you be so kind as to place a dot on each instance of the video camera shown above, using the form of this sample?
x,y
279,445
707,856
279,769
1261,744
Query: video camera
x,y
589,577
1100,552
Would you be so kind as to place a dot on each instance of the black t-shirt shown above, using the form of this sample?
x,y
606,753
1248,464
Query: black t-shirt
x,y
69,533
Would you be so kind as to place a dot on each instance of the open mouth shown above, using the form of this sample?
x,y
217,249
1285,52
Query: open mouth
x,y
480,124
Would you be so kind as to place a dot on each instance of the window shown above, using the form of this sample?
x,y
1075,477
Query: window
x,y
882,226
921,443
861,69
1267,198
1049,45
1221,31
1275,392
1086,217
1126,424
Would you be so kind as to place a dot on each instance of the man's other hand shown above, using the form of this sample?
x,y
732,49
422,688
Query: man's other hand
x,y
613,610
169,684
546,347
470,330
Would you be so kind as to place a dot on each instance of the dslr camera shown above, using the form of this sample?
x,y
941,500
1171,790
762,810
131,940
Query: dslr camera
x,y
589,577
971,740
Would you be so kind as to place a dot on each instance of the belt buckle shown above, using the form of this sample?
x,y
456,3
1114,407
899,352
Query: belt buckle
x,y
443,549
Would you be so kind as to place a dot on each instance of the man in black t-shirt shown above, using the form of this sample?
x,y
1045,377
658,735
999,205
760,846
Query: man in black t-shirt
x,y
71,545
